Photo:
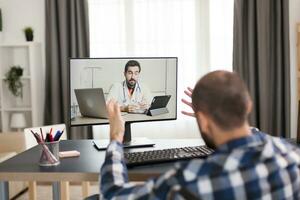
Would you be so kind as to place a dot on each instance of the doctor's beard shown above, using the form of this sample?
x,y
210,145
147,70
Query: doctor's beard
x,y
131,83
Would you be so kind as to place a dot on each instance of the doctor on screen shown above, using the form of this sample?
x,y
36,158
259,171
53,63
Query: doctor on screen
x,y
132,96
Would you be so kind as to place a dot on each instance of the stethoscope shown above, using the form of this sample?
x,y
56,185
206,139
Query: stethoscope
x,y
124,94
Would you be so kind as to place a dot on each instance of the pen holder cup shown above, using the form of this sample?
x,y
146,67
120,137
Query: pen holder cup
x,y
49,153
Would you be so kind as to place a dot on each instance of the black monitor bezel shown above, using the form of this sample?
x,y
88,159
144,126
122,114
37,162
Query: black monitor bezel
x,y
105,123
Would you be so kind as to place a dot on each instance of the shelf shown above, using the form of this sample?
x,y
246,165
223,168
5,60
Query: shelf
x,y
17,109
23,77
21,44
28,55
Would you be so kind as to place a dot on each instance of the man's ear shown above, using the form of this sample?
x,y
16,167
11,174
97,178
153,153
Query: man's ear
x,y
203,121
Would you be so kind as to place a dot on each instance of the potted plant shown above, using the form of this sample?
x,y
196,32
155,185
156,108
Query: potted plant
x,y
13,80
28,33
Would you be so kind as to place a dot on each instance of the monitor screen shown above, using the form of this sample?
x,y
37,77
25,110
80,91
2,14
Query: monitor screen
x,y
145,89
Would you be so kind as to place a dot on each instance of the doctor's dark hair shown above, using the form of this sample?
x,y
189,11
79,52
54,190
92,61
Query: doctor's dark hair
x,y
224,97
132,63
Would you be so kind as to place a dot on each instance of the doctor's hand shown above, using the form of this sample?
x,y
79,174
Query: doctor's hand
x,y
143,106
129,108
116,122
188,92
139,108
132,108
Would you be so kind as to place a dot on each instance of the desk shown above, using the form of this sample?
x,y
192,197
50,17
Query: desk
x,y
128,117
86,167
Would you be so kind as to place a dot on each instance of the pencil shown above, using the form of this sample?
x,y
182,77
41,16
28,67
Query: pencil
x,y
42,134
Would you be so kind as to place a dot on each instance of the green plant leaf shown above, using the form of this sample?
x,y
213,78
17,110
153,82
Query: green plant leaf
x,y
13,80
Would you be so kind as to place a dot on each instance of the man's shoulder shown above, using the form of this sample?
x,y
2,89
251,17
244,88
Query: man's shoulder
x,y
142,84
144,88
271,150
258,149
283,146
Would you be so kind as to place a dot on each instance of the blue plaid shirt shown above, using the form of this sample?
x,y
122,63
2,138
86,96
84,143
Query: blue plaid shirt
x,y
253,167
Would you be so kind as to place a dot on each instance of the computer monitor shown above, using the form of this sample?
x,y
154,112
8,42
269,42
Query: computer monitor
x,y
144,87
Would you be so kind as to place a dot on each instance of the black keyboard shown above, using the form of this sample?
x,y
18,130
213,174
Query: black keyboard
x,y
166,155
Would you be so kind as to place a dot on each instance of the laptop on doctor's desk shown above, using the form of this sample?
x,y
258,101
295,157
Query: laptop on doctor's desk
x,y
91,102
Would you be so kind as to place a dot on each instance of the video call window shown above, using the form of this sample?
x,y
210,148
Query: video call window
x,y
145,89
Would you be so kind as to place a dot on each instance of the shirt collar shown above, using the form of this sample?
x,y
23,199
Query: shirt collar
x,y
255,139
135,88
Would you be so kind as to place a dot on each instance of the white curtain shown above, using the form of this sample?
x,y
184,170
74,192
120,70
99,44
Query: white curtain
x,y
180,28
221,34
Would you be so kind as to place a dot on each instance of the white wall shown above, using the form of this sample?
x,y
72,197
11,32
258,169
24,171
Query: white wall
x,y
17,14
109,71
294,19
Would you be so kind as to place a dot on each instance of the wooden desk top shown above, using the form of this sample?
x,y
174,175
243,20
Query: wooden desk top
x,y
128,117
86,167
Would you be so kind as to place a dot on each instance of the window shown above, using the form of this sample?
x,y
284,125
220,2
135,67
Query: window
x,y
199,33
221,34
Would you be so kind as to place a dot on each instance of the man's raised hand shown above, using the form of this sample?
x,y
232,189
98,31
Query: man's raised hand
x,y
116,122
188,92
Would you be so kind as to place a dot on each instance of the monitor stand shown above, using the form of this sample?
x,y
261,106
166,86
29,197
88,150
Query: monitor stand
x,y
128,142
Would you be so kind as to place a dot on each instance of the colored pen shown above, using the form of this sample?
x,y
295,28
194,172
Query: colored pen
x,y
47,137
57,135
37,140
51,137
37,137
42,134
60,134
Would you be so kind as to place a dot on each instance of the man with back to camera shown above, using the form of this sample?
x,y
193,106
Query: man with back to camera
x,y
132,96
246,164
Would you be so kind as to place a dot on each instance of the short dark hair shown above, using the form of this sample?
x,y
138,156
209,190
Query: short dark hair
x,y
224,97
132,63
